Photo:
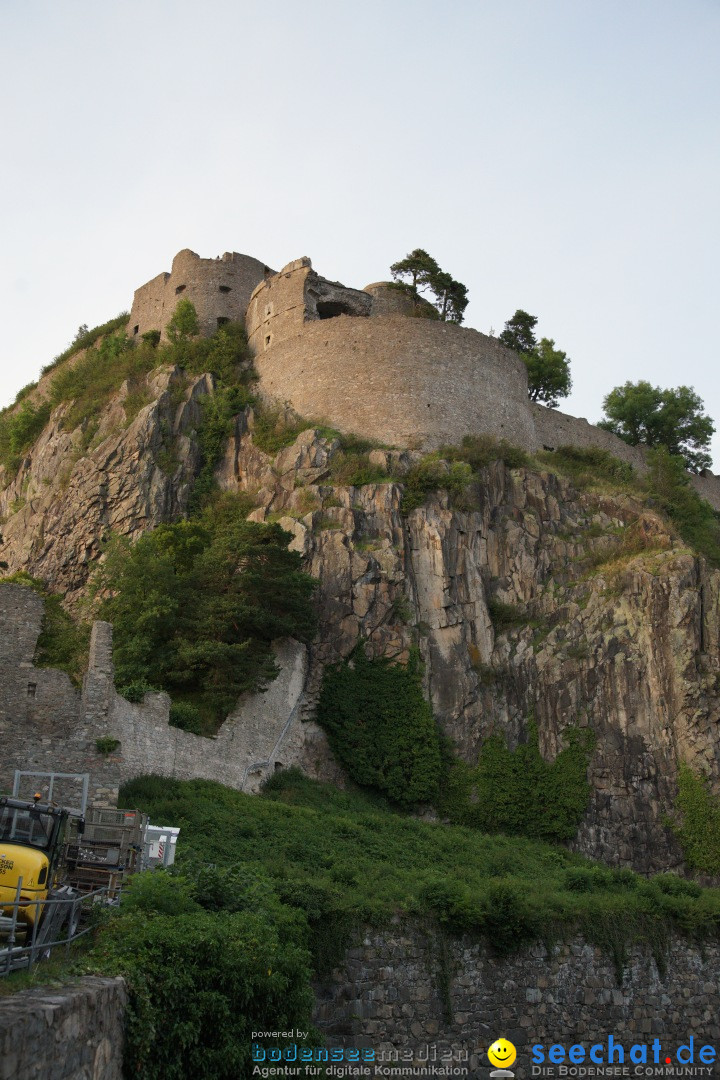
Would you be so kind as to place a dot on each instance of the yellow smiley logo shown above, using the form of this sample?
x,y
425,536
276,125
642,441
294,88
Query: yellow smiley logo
x,y
502,1053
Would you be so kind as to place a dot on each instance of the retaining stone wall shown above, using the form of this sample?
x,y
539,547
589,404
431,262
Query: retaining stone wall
x,y
73,1033
395,992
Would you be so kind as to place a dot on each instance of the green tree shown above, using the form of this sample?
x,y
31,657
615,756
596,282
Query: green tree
x,y
519,332
419,273
548,368
196,605
548,373
184,323
642,414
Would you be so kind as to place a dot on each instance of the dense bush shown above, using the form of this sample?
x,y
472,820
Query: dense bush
x,y
19,430
381,728
698,524
518,793
339,859
207,962
697,821
196,605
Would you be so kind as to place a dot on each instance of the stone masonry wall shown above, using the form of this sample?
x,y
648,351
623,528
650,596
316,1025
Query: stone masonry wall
x,y
405,382
219,288
47,725
71,1033
406,992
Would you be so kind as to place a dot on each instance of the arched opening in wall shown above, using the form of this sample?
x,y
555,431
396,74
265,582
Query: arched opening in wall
x,y
330,309
224,288
179,289
222,319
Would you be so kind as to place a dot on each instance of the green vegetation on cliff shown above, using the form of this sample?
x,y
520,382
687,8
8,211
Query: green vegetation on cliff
x,y
381,727
196,606
340,859
697,822
518,793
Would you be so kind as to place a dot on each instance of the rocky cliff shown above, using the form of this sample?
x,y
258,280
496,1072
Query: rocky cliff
x,y
537,600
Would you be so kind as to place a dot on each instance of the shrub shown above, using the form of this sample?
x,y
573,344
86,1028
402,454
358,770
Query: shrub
x,y
276,428
19,430
693,517
136,691
504,616
590,465
381,728
106,745
479,451
200,982
430,475
183,323
85,338
518,793
697,821
185,715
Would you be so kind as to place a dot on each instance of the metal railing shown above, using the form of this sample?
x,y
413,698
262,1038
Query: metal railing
x,y
46,926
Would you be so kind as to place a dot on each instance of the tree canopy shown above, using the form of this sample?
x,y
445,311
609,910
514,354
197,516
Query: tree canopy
x,y
548,368
196,605
419,273
642,414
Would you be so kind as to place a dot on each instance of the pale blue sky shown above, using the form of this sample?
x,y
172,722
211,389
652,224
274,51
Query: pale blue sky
x,y
561,156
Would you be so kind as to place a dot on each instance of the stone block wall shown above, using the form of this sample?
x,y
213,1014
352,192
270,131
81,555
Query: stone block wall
x,y
71,1033
219,288
404,992
47,725
405,382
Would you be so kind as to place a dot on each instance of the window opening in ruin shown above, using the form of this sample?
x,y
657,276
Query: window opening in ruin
x,y
180,288
136,329
224,288
330,309
32,687
222,319
267,341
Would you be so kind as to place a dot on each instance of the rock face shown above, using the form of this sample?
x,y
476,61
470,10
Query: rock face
x,y
572,608
67,497
610,622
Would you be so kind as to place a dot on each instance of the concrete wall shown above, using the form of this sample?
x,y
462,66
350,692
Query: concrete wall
x,y
397,992
54,727
219,288
70,1033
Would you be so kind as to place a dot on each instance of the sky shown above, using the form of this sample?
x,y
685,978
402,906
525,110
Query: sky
x,y
560,156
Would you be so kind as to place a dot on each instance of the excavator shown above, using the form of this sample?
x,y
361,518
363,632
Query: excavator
x,y
32,843
53,857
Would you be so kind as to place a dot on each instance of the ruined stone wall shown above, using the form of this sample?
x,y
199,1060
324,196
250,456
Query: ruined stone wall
x,y
554,429
219,288
405,382
47,725
403,992
73,1032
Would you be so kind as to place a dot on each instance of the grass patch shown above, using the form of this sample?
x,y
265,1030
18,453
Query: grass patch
x,y
85,339
506,616
591,467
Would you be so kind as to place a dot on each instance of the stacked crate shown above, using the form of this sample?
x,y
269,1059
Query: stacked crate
x,y
108,851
